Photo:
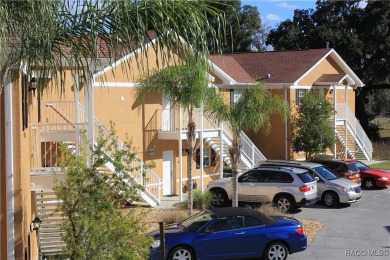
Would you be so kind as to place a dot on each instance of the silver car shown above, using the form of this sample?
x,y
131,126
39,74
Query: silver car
x,y
287,187
332,190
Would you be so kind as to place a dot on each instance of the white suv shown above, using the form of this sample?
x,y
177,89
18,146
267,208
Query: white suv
x,y
286,186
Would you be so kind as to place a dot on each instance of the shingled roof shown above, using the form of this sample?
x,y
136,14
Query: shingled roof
x,y
283,66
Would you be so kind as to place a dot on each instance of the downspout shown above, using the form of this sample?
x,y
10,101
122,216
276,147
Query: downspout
x,y
345,122
180,153
334,120
9,160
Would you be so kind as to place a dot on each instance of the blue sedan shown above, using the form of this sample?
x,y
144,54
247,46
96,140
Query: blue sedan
x,y
230,233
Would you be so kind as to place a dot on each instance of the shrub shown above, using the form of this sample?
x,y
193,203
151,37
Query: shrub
x,y
202,200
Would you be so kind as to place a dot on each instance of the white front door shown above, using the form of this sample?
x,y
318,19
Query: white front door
x,y
167,172
166,114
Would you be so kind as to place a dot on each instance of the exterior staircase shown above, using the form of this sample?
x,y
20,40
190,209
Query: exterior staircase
x,y
49,234
140,174
250,154
44,136
357,141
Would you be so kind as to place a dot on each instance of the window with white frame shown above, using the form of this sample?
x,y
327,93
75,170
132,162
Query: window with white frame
x,y
235,95
300,94
208,157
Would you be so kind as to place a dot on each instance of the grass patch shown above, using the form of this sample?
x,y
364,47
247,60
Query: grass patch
x,y
382,165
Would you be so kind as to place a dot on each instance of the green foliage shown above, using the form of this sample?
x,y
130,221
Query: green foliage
x,y
95,226
312,129
360,35
246,31
57,33
202,200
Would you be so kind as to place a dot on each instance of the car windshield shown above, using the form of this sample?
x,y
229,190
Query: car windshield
x,y
195,222
361,166
325,173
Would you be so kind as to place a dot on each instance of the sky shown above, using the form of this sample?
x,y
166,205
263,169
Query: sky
x,y
272,12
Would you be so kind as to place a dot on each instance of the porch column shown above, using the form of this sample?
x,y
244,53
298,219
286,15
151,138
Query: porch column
x,y
221,152
345,123
180,154
201,148
89,109
77,109
285,125
9,170
334,120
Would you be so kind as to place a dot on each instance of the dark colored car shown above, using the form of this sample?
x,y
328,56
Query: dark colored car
x,y
342,168
230,233
372,178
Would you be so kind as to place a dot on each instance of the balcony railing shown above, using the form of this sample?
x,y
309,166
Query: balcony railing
x,y
170,122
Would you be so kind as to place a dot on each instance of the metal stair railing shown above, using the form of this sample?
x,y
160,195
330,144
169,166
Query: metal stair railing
x,y
250,154
353,125
141,174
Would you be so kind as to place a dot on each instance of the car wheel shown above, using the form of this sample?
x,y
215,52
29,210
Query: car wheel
x,y
284,203
181,253
330,199
219,198
276,251
369,183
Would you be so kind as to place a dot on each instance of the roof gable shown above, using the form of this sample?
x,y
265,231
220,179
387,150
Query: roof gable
x,y
285,67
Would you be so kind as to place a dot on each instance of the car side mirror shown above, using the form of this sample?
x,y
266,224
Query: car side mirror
x,y
317,178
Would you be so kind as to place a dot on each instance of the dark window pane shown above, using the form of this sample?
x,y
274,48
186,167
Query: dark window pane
x,y
305,177
252,222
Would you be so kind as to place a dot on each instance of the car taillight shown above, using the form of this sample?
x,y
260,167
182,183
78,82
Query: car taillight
x,y
299,230
304,188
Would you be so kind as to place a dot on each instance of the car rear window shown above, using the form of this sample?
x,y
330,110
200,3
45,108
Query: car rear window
x,y
305,177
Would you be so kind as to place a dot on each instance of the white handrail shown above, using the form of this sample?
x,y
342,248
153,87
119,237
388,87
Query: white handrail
x,y
65,111
345,113
141,174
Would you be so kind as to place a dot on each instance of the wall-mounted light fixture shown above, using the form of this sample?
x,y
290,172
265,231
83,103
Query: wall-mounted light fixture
x,y
331,91
151,150
36,224
33,84
266,76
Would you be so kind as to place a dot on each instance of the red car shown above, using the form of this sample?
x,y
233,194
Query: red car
x,y
372,178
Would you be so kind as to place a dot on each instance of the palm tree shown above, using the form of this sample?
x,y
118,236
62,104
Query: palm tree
x,y
187,87
250,113
54,34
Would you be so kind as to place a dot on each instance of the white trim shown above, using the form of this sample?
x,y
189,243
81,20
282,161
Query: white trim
x,y
222,74
312,68
9,170
121,60
117,84
339,62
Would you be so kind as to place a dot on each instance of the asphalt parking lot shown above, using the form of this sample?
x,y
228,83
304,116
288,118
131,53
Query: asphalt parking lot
x,y
352,231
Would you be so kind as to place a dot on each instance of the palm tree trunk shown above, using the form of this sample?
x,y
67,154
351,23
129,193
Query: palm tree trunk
x,y
235,158
190,151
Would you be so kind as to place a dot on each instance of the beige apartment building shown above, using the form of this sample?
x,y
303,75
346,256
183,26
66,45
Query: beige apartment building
x,y
33,125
